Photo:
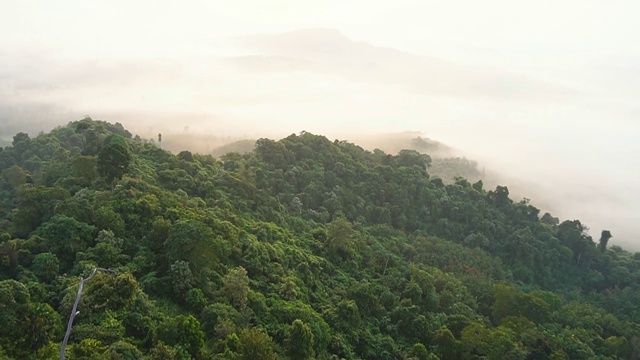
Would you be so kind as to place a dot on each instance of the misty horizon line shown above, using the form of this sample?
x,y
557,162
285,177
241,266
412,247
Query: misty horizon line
x,y
177,141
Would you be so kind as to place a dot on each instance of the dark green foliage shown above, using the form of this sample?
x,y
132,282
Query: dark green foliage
x,y
256,345
509,301
183,331
85,350
300,341
235,286
604,239
193,242
36,205
304,248
46,267
340,242
113,159
66,236
123,350
27,326
15,176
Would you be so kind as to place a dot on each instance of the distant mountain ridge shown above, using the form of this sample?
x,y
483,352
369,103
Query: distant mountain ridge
x,y
444,165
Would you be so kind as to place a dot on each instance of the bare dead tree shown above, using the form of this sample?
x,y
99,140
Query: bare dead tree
x,y
74,311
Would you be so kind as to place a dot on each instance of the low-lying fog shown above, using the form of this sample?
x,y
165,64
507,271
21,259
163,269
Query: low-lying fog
x,y
545,95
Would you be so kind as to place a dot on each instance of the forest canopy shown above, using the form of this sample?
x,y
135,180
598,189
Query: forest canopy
x,y
303,248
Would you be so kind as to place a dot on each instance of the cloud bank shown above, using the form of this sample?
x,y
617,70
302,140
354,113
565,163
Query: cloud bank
x,y
553,108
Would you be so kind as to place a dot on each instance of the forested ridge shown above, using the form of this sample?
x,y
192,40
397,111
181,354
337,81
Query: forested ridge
x,y
305,248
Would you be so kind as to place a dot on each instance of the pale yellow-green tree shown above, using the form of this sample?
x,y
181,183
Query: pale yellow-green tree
x,y
235,286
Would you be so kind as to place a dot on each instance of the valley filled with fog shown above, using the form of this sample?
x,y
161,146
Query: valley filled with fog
x,y
550,112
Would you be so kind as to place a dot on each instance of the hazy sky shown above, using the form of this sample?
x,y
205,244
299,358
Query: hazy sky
x,y
543,91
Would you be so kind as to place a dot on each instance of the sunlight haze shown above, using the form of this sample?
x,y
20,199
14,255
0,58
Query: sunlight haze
x,y
544,93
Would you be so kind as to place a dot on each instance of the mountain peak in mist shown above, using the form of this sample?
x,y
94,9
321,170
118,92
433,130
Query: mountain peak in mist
x,y
323,44
328,51
304,38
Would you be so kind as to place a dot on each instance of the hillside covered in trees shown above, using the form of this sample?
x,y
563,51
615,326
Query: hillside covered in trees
x,y
305,248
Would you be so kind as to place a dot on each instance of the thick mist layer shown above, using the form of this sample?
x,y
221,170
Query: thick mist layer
x,y
549,110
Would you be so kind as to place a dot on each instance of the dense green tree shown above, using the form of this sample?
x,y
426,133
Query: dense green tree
x,y
105,218
194,242
184,331
420,352
46,266
36,205
113,159
162,352
123,350
181,277
65,236
85,169
235,286
85,350
14,307
10,250
300,341
15,176
256,345
447,346
604,239
511,302
21,143
340,239
27,326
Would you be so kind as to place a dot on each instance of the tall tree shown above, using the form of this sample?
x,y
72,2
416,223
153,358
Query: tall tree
x,y
235,286
114,159
604,239
256,345
193,242
300,341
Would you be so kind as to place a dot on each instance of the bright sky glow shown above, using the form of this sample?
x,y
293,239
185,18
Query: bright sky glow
x,y
543,91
